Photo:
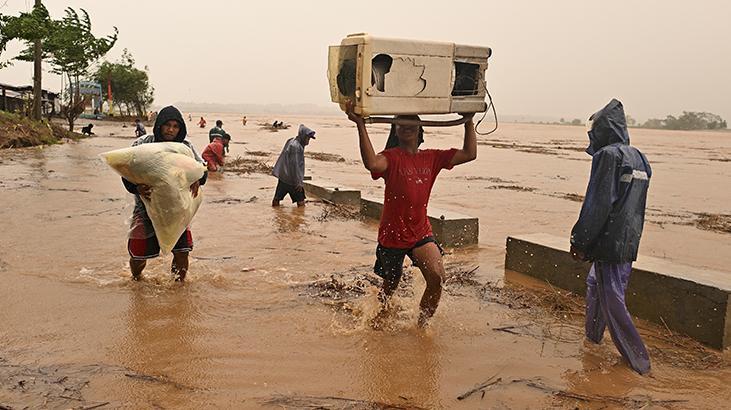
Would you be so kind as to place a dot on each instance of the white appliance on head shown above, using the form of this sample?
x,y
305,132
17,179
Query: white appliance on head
x,y
395,76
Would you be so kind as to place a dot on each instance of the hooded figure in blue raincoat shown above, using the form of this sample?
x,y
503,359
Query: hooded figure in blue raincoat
x,y
609,229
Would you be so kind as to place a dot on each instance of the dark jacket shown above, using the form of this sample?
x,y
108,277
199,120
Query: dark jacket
x,y
166,114
215,132
613,214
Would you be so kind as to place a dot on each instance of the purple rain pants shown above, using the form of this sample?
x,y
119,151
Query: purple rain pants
x,y
605,306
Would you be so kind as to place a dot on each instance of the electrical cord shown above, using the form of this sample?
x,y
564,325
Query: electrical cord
x,y
489,106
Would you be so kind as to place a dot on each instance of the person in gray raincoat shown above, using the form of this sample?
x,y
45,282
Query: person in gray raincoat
x,y
290,168
609,229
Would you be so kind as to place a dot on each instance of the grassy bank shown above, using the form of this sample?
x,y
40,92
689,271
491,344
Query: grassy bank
x,y
18,131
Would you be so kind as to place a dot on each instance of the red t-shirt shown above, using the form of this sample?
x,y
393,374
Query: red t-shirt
x,y
409,179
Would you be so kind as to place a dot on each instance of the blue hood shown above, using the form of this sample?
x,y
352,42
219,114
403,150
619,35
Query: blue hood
x,y
609,126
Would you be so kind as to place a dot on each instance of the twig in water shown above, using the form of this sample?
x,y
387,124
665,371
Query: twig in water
x,y
157,379
95,406
328,402
487,383
509,329
213,258
666,326
609,399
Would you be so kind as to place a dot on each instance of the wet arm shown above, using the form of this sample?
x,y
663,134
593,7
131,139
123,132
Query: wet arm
x,y
373,162
469,147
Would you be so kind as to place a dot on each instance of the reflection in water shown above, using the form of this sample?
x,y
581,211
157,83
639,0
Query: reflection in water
x,y
289,219
161,339
402,365
598,376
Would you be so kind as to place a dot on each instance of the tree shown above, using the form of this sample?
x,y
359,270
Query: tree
x,y
31,28
72,49
130,86
689,120
68,45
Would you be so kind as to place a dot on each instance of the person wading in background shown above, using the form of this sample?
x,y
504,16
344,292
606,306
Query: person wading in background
x,y
290,168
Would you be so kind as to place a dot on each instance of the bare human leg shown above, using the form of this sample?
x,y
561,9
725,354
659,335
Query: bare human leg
x,y
137,266
179,266
429,260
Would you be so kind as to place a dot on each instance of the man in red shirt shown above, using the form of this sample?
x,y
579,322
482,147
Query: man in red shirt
x,y
405,229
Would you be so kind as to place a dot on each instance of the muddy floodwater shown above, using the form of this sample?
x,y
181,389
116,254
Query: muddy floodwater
x,y
275,310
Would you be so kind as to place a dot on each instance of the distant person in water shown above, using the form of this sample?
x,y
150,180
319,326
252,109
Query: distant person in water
x,y
202,123
608,231
218,131
139,128
142,244
215,153
409,173
243,121
290,168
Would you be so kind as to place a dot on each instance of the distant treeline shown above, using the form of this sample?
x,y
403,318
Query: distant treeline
x,y
689,120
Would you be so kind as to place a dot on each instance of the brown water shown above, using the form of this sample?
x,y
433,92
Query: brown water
x,y
246,331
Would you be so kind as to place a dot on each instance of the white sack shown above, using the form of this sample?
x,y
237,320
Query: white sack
x,y
169,168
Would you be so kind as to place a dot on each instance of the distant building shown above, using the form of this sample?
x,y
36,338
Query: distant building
x,y
18,99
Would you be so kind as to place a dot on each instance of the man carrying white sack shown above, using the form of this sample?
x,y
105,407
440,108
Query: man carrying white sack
x,y
142,243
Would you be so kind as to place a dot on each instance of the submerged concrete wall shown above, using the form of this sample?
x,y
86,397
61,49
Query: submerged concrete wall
x,y
333,193
689,300
451,229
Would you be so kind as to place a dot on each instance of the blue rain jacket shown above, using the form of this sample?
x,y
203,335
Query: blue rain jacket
x,y
613,213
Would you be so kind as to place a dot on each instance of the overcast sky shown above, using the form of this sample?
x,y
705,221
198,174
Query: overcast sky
x,y
550,58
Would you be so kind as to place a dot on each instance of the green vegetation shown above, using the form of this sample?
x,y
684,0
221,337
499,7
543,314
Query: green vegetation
x,y
67,44
131,89
19,131
689,120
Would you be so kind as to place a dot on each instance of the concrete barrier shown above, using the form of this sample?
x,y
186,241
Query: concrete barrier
x,y
690,300
332,192
451,229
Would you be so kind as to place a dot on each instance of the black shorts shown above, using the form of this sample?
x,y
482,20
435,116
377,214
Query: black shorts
x,y
284,188
390,261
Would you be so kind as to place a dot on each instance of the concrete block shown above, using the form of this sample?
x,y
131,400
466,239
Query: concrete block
x,y
371,207
451,229
332,192
690,300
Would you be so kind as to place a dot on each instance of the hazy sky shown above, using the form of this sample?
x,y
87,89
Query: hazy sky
x,y
550,58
